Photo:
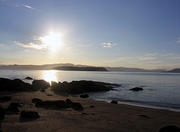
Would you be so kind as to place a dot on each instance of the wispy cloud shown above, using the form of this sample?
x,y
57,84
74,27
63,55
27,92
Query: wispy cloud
x,y
108,44
32,45
28,6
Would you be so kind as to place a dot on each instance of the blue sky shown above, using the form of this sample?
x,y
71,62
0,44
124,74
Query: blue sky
x,y
130,33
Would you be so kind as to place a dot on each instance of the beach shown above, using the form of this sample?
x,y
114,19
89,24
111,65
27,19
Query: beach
x,y
96,116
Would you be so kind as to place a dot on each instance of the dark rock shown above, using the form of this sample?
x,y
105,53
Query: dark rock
x,y
49,95
13,108
57,104
144,116
91,106
29,78
83,86
40,84
170,128
5,98
54,84
2,113
42,90
84,113
29,115
36,100
14,85
136,89
114,102
77,106
68,103
84,95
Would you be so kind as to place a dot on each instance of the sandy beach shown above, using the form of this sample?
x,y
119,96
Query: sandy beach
x,y
97,116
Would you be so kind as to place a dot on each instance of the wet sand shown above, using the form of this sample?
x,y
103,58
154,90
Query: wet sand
x,y
103,117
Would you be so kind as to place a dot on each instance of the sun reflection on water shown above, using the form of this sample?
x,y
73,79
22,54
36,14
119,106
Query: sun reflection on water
x,y
50,75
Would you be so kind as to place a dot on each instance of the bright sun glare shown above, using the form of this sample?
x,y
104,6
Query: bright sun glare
x,y
50,76
53,41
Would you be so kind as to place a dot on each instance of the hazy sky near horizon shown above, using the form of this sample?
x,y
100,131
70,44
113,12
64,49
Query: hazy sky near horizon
x,y
130,33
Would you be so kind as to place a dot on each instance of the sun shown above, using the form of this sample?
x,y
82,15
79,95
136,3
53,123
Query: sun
x,y
53,41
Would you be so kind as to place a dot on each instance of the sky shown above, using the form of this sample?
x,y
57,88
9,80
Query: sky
x,y
127,33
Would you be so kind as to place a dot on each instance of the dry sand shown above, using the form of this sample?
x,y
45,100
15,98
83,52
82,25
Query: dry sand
x,y
104,117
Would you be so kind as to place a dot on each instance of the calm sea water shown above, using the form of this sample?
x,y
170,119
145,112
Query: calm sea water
x,y
160,89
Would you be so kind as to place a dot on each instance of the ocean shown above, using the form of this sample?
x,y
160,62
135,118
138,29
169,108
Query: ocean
x,y
161,90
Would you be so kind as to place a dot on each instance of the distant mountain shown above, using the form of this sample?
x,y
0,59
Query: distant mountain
x,y
61,66
80,68
125,69
176,70
72,67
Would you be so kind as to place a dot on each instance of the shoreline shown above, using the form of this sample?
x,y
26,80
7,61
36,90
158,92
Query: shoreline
x,y
103,116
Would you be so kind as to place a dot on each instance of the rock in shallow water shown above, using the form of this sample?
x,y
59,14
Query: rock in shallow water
x,y
114,102
136,89
84,95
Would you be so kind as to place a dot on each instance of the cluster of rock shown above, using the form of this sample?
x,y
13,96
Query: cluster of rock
x,y
74,87
83,86
57,104
13,108
18,85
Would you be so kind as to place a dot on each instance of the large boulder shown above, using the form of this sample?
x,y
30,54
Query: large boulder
x,y
13,108
29,115
83,86
36,100
56,104
59,104
40,84
76,106
14,85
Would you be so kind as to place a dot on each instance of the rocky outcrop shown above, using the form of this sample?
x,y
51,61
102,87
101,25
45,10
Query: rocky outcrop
x,y
83,86
14,85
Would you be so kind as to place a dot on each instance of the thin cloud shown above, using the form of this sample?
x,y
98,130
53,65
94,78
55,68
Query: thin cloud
x,y
29,7
108,44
